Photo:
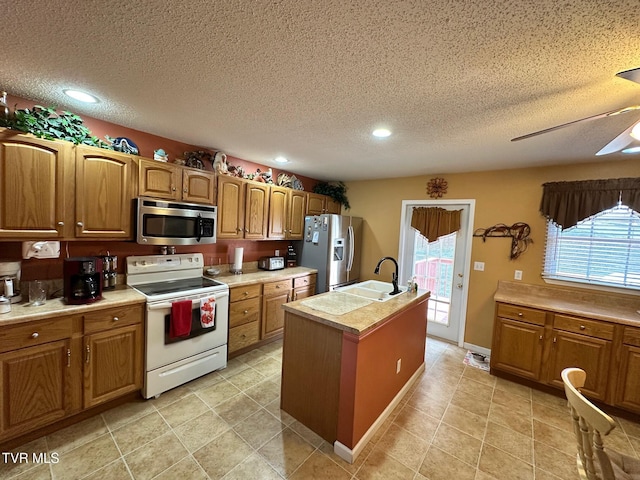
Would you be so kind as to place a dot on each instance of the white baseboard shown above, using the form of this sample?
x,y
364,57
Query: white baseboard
x,y
349,454
477,349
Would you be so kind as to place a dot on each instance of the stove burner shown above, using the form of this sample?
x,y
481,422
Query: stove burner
x,y
176,286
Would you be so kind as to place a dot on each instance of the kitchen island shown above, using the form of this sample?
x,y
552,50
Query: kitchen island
x,y
348,361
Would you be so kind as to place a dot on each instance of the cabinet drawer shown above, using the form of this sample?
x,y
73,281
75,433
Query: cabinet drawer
x,y
631,336
277,288
242,293
13,337
593,328
244,311
112,318
304,281
243,336
525,314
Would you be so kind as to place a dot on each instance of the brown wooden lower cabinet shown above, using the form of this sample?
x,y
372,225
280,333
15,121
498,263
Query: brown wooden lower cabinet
x,y
537,345
51,369
255,311
34,387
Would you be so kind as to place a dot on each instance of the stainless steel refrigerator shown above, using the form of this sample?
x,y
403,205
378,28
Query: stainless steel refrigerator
x,y
331,245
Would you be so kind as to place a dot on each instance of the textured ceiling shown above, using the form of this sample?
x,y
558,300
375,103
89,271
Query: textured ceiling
x,y
454,80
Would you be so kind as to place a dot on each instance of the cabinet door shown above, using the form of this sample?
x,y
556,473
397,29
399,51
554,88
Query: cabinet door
x,y
315,204
256,211
104,194
628,388
158,179
273,314
230,207
517,348
333,206
34,387
198,186
588,353
113,364
32,186
278,213
297,208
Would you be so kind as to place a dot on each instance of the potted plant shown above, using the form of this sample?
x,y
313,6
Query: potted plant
x,y
45,122
335,190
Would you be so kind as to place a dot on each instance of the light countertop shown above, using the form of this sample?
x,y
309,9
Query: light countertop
x,y
610,307
57,307
251,276
363,317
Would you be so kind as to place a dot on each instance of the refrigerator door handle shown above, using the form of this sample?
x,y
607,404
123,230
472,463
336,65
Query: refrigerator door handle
x,y
351,248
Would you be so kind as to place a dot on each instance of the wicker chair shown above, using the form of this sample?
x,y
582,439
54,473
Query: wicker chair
x,y
590,424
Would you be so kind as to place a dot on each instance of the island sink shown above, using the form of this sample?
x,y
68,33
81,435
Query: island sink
x,y
371,289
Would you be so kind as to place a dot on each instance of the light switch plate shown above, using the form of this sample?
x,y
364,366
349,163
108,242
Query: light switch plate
x,y
478,266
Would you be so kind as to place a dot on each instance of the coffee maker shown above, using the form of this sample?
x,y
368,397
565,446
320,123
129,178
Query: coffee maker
x,y
10,280
82,280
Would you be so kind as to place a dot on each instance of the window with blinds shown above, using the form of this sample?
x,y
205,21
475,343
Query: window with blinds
x,y
600,250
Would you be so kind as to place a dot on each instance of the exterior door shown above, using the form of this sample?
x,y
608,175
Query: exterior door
x,y
441,267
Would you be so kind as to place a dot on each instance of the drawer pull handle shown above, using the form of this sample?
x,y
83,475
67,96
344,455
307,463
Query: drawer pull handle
x,y
246,293
115,319
245,312
277,286
582,327
88,354
520,314
540,337
68,357
35,335
243,336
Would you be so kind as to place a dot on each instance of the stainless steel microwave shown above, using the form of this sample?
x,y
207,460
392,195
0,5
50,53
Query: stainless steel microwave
x,y
163,222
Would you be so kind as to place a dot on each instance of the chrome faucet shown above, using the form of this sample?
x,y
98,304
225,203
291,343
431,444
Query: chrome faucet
x,y
394,277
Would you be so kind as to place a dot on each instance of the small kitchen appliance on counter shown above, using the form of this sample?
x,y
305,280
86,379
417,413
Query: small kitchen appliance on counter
x,y
10,280
271,263
82,280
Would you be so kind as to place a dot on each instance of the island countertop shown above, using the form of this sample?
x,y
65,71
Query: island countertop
x,y
351,313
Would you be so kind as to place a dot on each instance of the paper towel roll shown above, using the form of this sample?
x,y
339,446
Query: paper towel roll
x,y
237,259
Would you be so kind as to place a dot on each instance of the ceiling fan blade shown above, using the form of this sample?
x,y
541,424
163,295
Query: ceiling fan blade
x,y
593,117
618,143
633,75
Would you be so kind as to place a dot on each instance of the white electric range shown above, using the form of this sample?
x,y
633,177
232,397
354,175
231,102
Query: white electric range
x,y
164,279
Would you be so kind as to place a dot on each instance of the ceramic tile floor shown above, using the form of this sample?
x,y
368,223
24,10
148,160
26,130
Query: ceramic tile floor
x,y
458,422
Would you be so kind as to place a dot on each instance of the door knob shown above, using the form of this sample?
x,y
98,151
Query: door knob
x,y
80,224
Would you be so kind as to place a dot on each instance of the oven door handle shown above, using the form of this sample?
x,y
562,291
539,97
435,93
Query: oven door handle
x,y
165,305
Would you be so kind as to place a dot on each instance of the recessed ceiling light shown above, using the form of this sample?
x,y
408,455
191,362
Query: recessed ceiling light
x,y
280,160
80,96
381,132
631,150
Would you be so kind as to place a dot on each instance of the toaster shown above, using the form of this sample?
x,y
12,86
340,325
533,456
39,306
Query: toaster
x,y
271,263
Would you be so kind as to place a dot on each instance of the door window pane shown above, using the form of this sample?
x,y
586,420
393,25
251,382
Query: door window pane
x,y
433,269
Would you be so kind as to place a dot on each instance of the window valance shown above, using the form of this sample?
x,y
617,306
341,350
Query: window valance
x,y
435,222
567,203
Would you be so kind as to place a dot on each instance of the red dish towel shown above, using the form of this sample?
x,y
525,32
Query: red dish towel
x,y
208,312
180,323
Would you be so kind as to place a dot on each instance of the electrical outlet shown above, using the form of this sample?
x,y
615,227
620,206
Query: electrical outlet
x,y
478,266
518,275
398,365
277,253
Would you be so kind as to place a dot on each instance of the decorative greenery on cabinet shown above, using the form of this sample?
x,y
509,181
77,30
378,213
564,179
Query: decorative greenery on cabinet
x,y
335,190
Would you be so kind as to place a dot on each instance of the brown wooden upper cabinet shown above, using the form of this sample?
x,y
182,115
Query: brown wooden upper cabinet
x,y
32,186
40,199
258,211
104,193
318,204
242,208
166,180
